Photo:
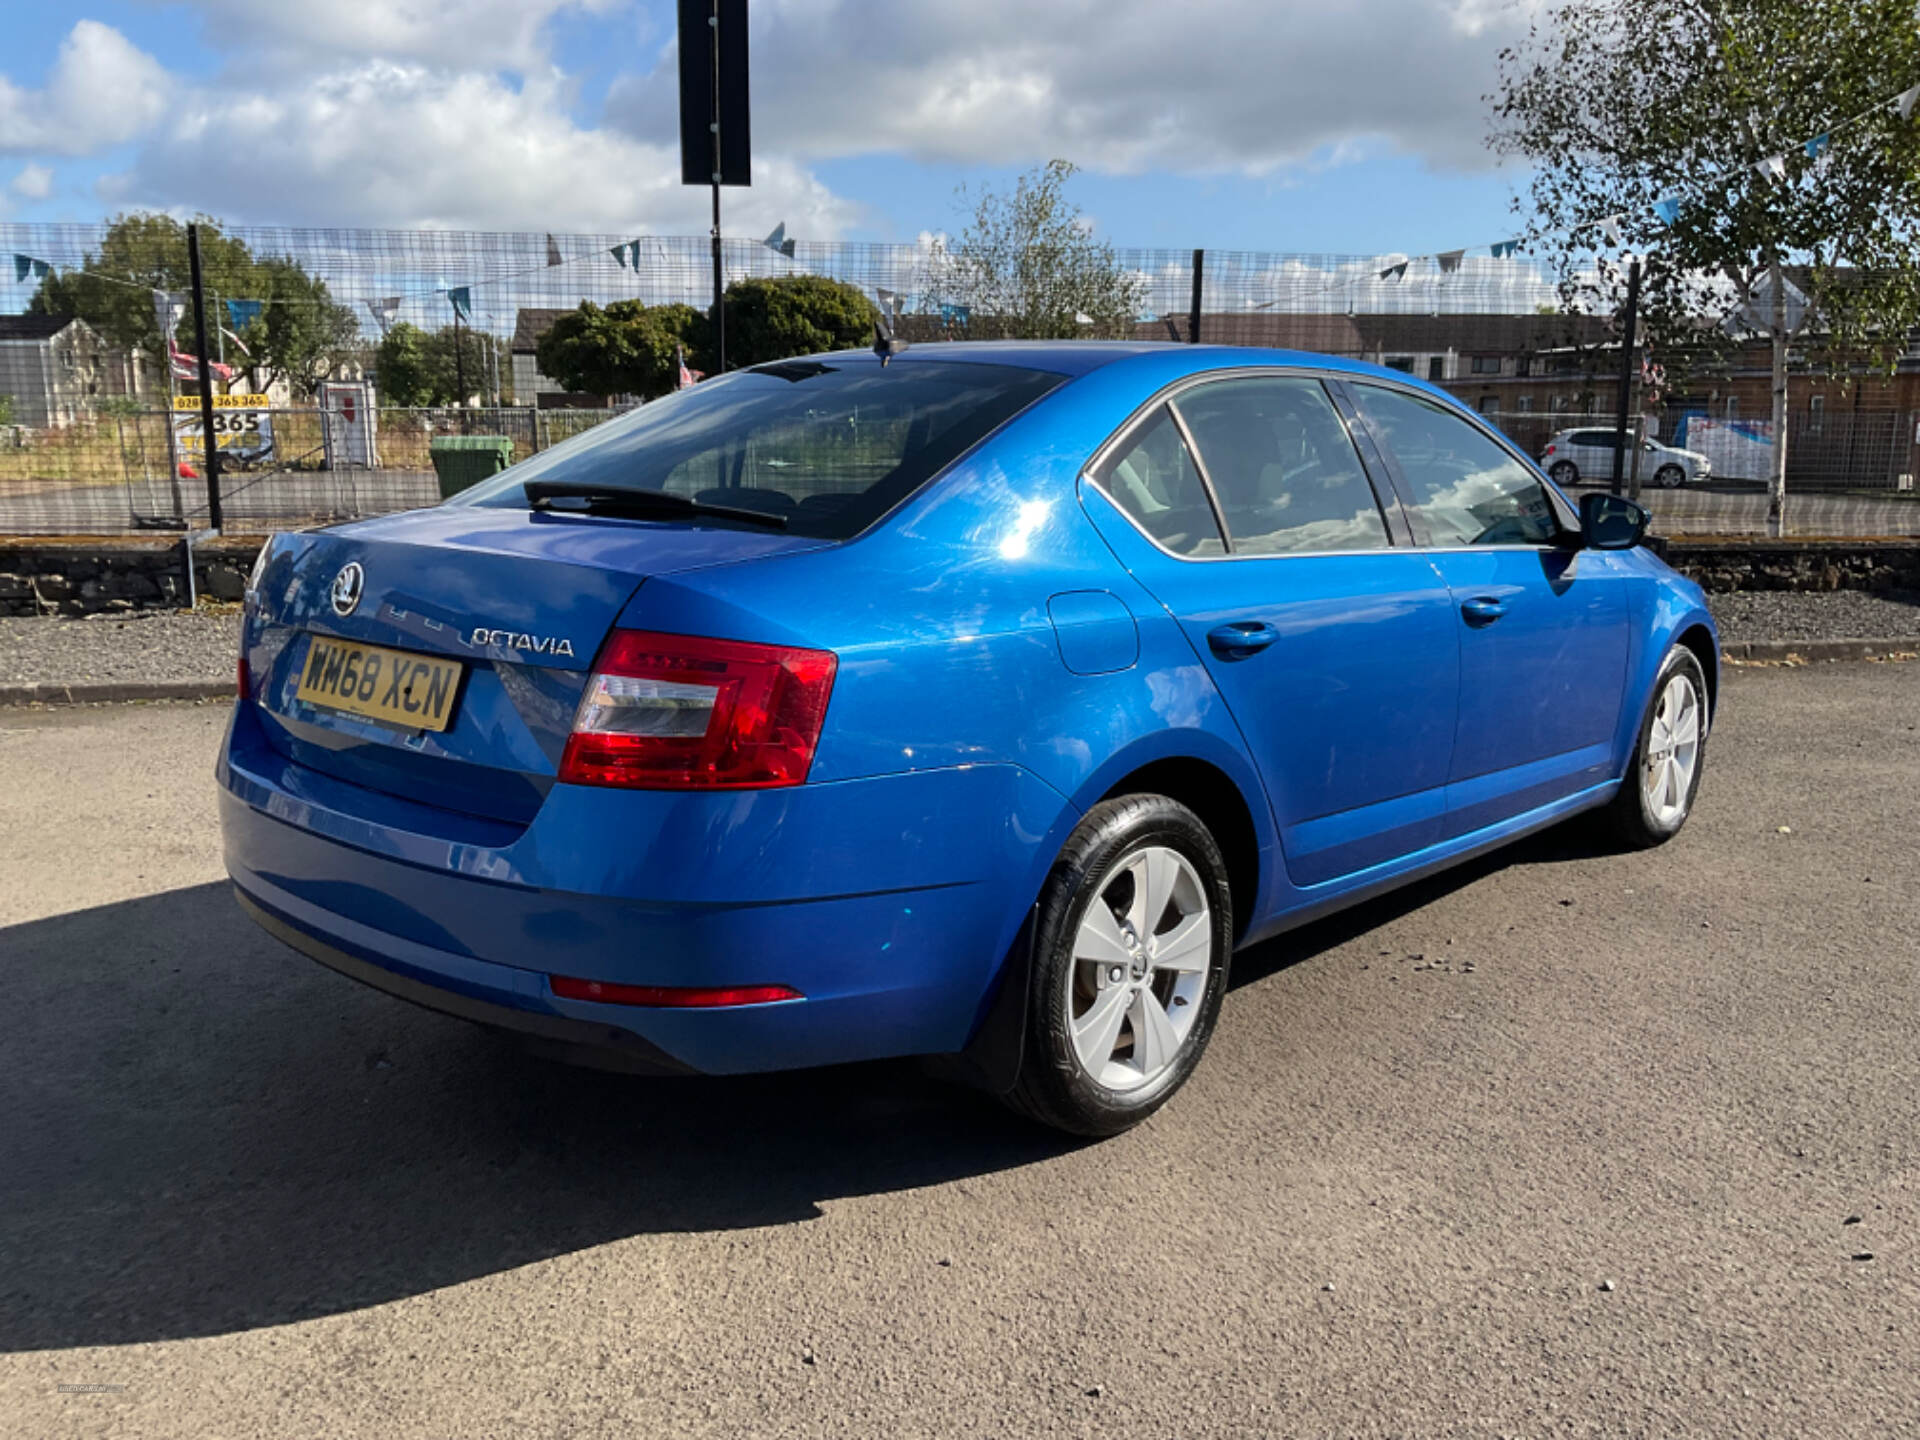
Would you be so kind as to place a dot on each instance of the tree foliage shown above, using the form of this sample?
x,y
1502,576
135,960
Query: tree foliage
x,y
1029,268
625,348
1618,104
301,335
415,367
778,317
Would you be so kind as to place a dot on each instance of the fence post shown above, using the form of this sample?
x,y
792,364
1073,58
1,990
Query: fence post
x,y
1193,311
209,442
1626,384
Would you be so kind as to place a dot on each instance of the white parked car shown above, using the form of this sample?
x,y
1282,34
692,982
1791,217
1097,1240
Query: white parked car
x,y
1573,456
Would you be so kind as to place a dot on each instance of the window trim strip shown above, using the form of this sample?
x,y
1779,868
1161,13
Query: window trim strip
x,y
1206,480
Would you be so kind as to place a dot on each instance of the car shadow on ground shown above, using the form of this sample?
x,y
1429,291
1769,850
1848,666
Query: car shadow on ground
x,y
1580,839
207,1133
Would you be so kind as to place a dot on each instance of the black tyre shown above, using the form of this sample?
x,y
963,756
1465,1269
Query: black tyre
x,y
1131,944
1565,473
1670,477
1669,757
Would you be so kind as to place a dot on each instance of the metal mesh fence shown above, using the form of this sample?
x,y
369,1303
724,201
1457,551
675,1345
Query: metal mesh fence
x,y
340,355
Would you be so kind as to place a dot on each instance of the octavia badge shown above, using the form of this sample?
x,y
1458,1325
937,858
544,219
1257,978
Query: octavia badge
x,y
346,588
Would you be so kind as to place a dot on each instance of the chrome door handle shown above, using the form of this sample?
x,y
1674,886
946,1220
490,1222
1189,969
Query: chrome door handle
x,y
1483,610
1241,639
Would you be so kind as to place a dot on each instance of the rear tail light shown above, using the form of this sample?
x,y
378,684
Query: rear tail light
x,y
679,712
1548,450
671,997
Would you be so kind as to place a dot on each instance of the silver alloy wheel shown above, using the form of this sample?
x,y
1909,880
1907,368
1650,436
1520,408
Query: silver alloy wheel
x,y
1670,477
1141,961
1564,473
1673,750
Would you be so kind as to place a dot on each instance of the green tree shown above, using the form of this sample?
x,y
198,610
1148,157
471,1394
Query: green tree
x,y
773,318
413,367
1028,266
625,348
302,333
1620,103
112,290
401,369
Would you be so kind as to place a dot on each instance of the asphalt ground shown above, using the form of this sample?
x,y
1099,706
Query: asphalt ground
x,y
1565,1142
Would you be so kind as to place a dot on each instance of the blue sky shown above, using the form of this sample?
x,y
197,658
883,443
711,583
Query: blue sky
x,y
1234,124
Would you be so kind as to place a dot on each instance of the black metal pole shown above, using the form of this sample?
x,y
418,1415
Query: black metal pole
x,y
209,441
1630,339
719,301
459,360
1193,309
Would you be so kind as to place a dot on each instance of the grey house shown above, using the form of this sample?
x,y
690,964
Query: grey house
x,y
54,367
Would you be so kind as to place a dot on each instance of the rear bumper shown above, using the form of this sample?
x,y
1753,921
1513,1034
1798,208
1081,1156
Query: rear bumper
x,y
888,903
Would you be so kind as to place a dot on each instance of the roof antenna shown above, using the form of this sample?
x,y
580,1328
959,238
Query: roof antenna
x,y
884,345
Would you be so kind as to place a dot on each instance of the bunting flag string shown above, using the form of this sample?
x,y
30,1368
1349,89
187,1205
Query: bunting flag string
x,y
778,241
1774,167
553,252
242,313
1450,261
384,311
1905,100
461,298
25,265
1502,249
1394,272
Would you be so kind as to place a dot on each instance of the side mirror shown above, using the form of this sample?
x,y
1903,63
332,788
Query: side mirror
x,y
1612,522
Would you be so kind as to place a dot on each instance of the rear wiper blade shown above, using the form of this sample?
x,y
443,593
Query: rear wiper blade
x,y
618,499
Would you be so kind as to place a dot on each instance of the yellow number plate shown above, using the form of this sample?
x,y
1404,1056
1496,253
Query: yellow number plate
x,y
415,691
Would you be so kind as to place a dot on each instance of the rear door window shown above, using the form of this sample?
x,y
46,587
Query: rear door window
x,y
1282,466
1152,477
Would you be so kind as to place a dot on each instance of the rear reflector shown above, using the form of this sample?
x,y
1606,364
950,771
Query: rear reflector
x,y
681,712
243,680
671,997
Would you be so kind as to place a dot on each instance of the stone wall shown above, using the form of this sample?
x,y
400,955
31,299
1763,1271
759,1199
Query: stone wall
x,y
82,578
1726,565
85,578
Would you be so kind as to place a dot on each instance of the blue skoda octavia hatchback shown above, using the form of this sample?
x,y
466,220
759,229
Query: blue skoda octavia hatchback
x,y
977,701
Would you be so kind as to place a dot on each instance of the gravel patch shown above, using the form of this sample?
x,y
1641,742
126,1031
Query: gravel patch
x,y
201,644
1833,615
172,645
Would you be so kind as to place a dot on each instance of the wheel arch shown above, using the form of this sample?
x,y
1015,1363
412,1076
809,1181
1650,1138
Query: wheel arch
x,y
1211,794
1699,639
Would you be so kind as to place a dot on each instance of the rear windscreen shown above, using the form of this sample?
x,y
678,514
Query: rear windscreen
x,y
831,445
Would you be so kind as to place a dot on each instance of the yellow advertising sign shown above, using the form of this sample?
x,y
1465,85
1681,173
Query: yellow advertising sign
x,y
242,426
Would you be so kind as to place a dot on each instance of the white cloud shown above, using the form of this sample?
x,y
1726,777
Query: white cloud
x,y
508,34
102,90
34,182
382,143
1116,85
